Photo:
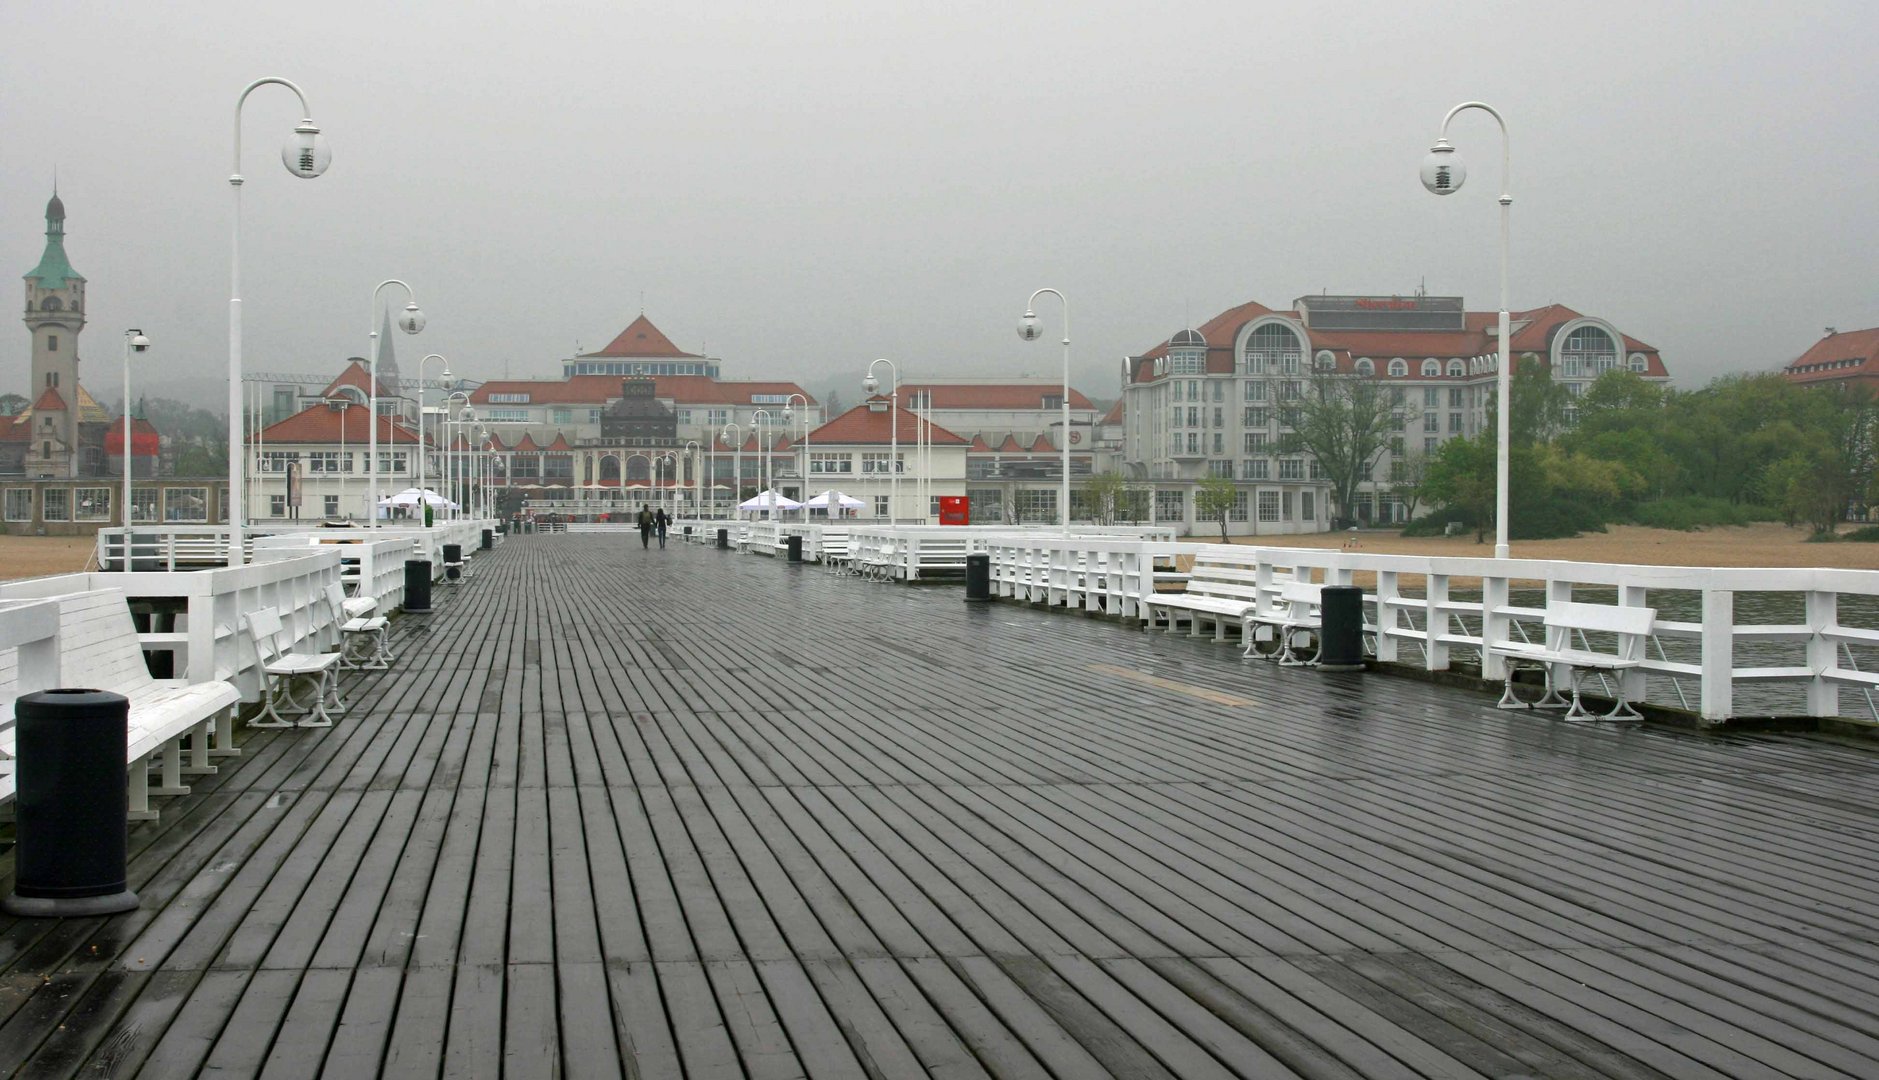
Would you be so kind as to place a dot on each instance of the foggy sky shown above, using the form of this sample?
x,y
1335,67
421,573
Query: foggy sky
x,y
799,188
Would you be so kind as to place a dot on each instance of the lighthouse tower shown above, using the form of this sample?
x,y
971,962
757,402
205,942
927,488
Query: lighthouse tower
x,y
55,313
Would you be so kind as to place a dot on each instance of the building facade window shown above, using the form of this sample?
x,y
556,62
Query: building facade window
x,y
1255,469
873,462
1268,506
332,507
1037,504
1457,369
277,505
186,504
1588,353
19,504
1242,502
1305,508
1220,470
57,505
1399,368
143,503
1170,505
831,463
91,504
1291,469
1431,369
1272,349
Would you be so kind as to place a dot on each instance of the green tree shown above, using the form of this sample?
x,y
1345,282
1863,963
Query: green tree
x,y
1345,421
1103,495
1461,477
1409,480
12,404
1213,501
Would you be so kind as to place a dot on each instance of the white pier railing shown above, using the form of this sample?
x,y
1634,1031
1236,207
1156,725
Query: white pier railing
x,y
1721,638
196,615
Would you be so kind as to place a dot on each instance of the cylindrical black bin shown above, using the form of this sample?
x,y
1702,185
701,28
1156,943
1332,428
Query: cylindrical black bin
x,y
417,586
795,548
978,577
688,531
453,562
489,539
70,804
724,538
1341,609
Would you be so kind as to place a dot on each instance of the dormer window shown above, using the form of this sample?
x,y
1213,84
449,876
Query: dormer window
x,y
1053,401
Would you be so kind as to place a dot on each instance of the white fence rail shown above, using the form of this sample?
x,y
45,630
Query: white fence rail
x,y
1720,635
29,645
196,615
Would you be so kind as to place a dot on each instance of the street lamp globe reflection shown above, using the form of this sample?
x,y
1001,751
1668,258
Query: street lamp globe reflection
x,y
305,152
870,384
138,342
411,320
1443,171
1028,329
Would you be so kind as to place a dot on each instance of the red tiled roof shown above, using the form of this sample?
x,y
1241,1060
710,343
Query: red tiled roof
x,y
495,442
641,338
1010,446
49,401
1042,444
1534,333
1836,357
356,376
1114,415
559,446
600,389
863,426
992,395
144,439
979,445
318,424
528,445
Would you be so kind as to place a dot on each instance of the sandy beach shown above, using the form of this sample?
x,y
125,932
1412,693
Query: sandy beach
x,y
37,556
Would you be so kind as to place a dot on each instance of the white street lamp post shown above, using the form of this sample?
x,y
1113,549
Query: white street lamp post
x,y
1443,173
306,155
870,384
341,405
410,320
1030,331
452,478
423,449
737,463
134,341
760,419
789,419
691,457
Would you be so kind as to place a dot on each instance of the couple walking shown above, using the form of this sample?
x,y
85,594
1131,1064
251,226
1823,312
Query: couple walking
x,y
650,522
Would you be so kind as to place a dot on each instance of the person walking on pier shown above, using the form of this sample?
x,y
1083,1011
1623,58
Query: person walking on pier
x,y
663,522
645,525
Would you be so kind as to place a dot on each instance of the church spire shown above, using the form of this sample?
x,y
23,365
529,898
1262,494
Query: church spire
x,y
54,269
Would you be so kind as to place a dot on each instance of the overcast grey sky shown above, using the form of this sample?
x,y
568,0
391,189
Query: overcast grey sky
x,y
800,188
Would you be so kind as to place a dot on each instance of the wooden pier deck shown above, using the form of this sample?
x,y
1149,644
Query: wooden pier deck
x,y
694,814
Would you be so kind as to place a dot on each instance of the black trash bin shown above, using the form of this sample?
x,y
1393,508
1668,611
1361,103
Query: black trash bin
x,y
1341,610
70,804
453,562
724,538
978,577
688,532
795,548
489,539
417,586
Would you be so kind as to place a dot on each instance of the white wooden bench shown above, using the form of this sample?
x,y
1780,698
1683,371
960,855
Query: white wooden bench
x,y
99,649
359,622
280,668
876,562
1296,615
833,551
1564,620
1218,593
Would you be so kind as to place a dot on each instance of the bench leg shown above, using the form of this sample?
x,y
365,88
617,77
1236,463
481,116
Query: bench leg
x,y
170,777
319,717
198,764
278,687
385,657
224,745
139,794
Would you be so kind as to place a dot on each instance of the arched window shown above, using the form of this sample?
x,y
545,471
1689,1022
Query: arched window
x,y
1588,353
1431,368
1457,368
1272,349
1365,367
1639,364
51,303
1399,368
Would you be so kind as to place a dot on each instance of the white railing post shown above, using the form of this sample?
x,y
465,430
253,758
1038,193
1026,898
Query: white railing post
x,y
1387,593
1718,685
1435,652
1823,614
1632,683
1495,628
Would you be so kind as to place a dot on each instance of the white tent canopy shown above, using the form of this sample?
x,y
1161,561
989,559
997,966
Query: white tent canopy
x,y
769,500
414,497
840,499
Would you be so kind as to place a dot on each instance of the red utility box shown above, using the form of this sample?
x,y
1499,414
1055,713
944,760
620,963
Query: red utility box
x,y
955,510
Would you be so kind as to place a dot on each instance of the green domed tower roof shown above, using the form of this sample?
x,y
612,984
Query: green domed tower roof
x,y
54,269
